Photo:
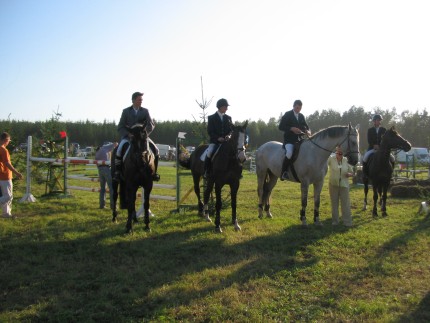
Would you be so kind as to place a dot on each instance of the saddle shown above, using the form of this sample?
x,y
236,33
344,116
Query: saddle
x,y
206,151
294,157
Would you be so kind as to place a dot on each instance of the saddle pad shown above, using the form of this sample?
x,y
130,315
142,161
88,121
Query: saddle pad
x,y
205,153
126,152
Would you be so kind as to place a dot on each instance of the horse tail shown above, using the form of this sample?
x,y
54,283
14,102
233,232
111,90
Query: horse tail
x,y
184,160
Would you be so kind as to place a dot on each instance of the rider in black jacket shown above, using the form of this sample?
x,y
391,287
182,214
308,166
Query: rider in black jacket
x,y
294,125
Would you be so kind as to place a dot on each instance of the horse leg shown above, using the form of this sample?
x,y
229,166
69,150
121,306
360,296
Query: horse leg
x,y
261,179
146,192
317,193
218,206
206,197
304,189
233,193
384,200
114,201
375,200
265,193
366,190
196,181
268,190
131,200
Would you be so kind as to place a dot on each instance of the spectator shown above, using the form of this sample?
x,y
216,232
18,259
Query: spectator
x,y
6,171
104,153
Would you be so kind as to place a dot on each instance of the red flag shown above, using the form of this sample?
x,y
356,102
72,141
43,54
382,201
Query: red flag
x,y
63,134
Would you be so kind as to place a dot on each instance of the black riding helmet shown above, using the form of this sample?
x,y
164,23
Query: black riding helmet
x,y
222,103
377,117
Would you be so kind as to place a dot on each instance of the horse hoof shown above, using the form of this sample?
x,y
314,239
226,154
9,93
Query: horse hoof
x,y
237,227
218,230
135,220
147,229
318,223
384,213
208,219
128,231
260,216
114,220
269,215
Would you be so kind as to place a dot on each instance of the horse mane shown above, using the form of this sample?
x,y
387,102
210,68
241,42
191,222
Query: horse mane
x,y
331,132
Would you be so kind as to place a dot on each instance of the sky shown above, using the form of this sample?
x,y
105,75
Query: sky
x,y
84,59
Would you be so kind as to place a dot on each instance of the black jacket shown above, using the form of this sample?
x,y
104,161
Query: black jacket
x,y
288,121
218,128
130,118
373,138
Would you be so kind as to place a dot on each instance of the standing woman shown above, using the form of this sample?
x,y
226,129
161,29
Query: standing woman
x,y
340,172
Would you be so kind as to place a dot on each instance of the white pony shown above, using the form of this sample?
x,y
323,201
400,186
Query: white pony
x,y
310,165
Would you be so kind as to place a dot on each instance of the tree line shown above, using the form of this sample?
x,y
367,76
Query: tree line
x,y
414,126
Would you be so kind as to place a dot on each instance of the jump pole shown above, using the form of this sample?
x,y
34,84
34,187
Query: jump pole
x,y
28,197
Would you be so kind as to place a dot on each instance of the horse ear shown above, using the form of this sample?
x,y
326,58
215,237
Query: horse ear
x,y
349,126
357,127
245,124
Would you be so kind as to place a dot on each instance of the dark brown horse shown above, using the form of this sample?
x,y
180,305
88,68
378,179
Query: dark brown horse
x,y
138,167
380,169
226,169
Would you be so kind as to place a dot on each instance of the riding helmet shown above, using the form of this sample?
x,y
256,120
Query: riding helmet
x,y
222,103
377,117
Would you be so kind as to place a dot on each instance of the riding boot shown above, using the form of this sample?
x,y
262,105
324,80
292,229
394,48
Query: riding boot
x,y
118,166
156,176
207,167
285,166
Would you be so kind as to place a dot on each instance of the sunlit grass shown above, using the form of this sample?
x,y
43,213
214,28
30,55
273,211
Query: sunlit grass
x,y
64,260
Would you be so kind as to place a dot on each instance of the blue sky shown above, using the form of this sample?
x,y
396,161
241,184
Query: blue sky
x,y
86,58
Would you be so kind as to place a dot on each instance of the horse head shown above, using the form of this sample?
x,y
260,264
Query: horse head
x,y
351,144
138,135
239,141
392,140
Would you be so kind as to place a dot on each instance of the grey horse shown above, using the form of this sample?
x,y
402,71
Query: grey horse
x,y
310,165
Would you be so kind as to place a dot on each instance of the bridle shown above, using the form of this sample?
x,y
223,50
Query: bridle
x,y
240,148
347,138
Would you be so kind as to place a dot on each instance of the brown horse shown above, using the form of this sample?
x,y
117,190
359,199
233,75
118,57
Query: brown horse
x,y
226,169
138,167
379,169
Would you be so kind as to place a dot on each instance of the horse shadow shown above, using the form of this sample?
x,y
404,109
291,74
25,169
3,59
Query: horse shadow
x,y
134,276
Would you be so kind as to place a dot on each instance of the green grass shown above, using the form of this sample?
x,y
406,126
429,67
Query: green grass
x,y
64,260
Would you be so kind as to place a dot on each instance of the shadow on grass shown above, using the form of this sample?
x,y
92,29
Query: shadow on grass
x,y
377,270
421,314
90,271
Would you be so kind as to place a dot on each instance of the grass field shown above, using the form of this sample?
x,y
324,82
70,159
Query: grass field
x,y
64,260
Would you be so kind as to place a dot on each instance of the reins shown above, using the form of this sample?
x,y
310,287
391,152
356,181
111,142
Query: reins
x,y
346,138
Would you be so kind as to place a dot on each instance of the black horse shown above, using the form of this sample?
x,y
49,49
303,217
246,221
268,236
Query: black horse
x,y
379,169
226,169
138,167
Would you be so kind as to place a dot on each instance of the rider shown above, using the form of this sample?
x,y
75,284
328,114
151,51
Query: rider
x,y
219,130
294,125
129,117
374,136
